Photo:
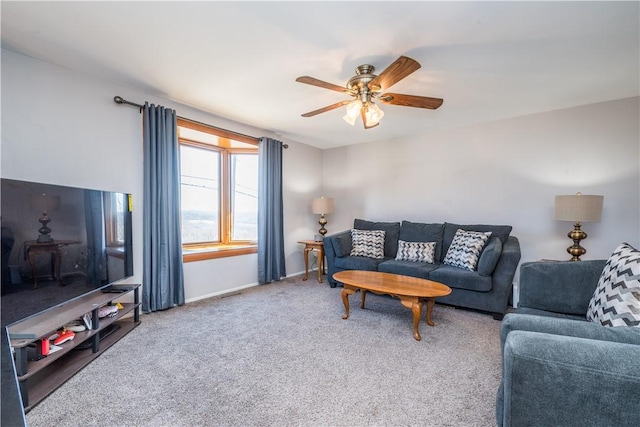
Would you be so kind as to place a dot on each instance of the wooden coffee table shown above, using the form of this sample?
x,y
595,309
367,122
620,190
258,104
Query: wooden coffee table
x,y
411,291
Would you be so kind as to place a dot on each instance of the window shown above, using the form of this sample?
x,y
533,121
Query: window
x,y
114,208
114,205
219,192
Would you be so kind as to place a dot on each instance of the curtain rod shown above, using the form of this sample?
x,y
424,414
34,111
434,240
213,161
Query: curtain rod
x,y
120,100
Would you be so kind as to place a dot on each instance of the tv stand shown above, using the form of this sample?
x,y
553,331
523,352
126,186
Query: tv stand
x,y
108,330
39,378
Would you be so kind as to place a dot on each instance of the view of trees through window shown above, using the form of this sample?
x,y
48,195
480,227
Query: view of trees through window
x,y
219,189
200,194
244,202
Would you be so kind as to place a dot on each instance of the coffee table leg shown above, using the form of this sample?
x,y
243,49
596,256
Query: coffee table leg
x,y
363,294
427,317
345,300
416,308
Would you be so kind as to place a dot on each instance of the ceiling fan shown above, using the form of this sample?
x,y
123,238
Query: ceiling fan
x,y
365,86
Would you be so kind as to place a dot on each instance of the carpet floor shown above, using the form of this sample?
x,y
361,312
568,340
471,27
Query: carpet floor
x,y
281,355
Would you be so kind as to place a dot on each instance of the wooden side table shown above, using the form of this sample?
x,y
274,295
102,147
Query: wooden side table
x,y
32,249
311,245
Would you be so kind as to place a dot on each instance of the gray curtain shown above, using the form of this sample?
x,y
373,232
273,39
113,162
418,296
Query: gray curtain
x,y
162,282
271,265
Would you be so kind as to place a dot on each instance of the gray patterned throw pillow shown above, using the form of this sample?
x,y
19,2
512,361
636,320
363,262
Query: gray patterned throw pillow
x,y
416,251
465,249
369,243
616,300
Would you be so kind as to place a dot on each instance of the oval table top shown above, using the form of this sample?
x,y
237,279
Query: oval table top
x,y
377,281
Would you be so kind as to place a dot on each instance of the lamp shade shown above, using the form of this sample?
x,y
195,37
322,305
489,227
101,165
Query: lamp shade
x,y
322,205
578,208
44,202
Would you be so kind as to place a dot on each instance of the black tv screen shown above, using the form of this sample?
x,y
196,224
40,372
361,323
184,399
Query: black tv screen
x,y
59,243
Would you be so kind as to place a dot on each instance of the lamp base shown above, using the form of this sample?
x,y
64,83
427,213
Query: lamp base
x,y
575,250
322,221
44,236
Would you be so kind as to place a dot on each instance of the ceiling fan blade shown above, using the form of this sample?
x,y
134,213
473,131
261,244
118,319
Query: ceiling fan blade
x,y
411,100
325,109
395,72
315,82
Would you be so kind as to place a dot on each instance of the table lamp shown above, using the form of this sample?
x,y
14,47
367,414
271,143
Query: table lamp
x,y
46,203
322,206
578,208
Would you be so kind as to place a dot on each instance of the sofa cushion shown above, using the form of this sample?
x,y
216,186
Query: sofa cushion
x,y
407,268
616,300
358,263
422,232
500,231
416,251
392,230
455,277
367,243
490,256
342,244
465,249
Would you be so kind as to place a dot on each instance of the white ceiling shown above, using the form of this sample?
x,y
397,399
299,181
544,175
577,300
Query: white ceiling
x,y
239,60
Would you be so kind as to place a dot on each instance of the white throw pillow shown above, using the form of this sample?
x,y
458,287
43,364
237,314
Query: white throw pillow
x,y
416,251
369,243
465,249
616,300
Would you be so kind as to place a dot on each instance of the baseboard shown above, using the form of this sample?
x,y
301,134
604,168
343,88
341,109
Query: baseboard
x,y
221,293
235,290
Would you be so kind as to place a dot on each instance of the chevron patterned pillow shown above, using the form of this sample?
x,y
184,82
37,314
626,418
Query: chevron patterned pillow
x,y
465,249
416,251
616,300
369,243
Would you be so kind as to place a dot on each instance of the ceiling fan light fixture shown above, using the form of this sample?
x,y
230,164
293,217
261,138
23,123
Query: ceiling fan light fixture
x,y
353,111
373,114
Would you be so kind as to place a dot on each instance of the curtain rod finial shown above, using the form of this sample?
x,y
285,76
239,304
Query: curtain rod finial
x,y
118,100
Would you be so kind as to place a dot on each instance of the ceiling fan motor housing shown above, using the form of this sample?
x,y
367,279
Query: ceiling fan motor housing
x,y
358,85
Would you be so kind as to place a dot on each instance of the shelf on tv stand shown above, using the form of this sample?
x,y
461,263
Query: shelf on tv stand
x,y
38,378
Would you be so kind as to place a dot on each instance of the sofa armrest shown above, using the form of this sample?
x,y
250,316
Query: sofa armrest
x,y
333,246
567,327
559,380
561,287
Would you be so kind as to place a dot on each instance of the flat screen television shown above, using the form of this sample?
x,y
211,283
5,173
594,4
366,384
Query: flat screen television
x,y
59,243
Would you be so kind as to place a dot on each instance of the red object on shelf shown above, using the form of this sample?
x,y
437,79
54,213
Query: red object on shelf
x,y
64,337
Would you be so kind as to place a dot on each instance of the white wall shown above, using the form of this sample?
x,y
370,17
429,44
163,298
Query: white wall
x,y
503,172
62,127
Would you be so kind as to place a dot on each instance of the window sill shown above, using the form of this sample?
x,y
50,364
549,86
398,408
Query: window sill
x,y
116,251
191,255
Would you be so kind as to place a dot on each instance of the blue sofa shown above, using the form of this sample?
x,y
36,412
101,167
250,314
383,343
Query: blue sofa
x,y
558,368
487,289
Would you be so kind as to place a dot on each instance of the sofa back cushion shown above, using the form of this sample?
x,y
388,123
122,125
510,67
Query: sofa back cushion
x,y
342,244
500,231
391,229
422,232
490,256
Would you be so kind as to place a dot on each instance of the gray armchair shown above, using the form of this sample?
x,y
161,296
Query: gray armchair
x,y
559,369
